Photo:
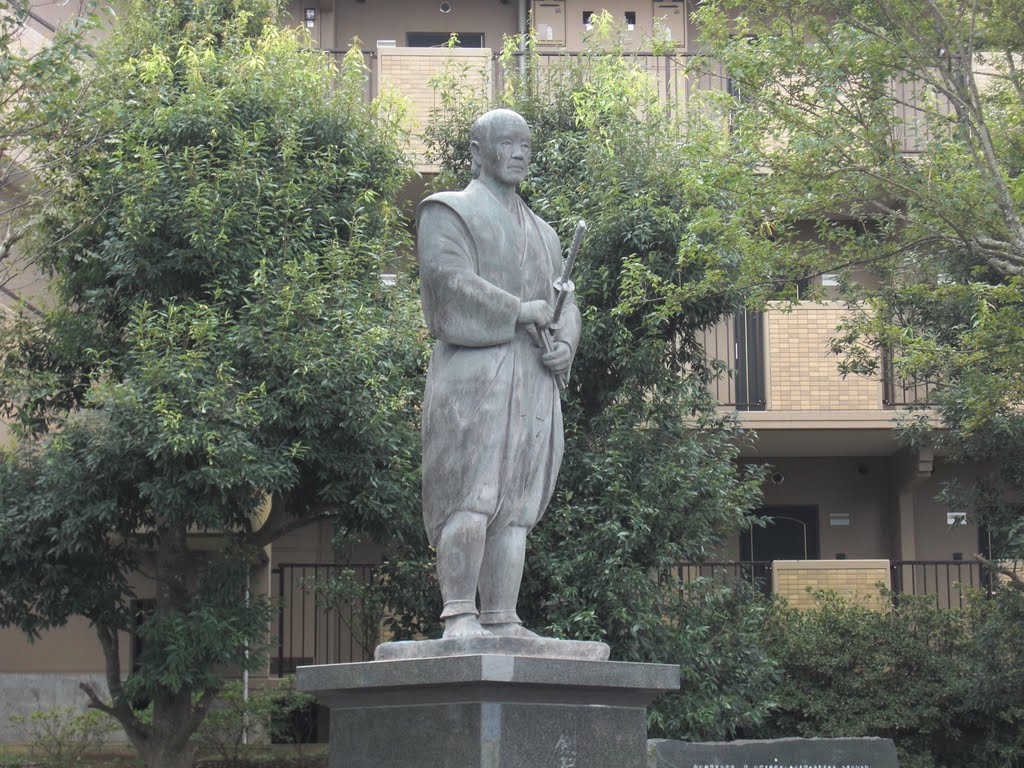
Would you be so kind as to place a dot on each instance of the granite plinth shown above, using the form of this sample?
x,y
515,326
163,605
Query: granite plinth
x,y
776,753
488,711
539,647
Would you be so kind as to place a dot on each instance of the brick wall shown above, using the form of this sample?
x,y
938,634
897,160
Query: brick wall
x,y
849,578
802,375
410,70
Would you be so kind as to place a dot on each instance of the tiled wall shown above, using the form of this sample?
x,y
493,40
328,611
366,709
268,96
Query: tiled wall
x,y
856,579
410,70
803,375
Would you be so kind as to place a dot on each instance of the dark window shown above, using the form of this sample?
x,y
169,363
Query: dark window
x,y
791,533
440,39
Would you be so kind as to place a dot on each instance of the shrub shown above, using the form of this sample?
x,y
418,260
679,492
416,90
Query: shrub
x,y
61,737
945,685
281,715
727,674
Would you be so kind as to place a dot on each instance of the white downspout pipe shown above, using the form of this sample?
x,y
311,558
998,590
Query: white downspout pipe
x,y
522,37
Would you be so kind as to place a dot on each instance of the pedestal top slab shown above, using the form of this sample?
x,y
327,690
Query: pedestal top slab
x,y
536,647
490,669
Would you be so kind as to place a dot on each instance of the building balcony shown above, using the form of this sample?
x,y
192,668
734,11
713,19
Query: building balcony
x,y
679,79
785,384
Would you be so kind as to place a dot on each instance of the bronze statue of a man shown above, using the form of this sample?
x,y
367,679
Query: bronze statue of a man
x,y
492,418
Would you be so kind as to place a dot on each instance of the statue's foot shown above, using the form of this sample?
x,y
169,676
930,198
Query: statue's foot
x,y
511,629
463,625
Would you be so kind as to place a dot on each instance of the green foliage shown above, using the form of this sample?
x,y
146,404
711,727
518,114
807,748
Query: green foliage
x,y
943,684
227,725
219,209
64,736
890,133
727,673
30,84
235,722
648,477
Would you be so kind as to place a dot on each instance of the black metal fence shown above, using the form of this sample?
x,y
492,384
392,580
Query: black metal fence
x,y
755,572
323,614
318,624
901,391
949,582
738,341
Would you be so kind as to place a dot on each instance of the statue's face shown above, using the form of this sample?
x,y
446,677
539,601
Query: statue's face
x,y
505,155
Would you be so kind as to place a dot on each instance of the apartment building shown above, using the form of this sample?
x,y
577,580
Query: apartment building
x,y
842,491
849,507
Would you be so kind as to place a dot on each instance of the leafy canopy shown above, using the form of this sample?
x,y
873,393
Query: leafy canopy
x,y
889,133
222,362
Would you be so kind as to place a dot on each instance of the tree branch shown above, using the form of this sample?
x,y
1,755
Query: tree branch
x,y
1014,75
1015,578
119,709
280,522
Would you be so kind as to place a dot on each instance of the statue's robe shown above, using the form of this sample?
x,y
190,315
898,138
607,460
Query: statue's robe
x,y
492,418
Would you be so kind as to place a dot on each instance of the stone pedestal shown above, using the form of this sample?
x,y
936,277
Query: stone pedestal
x,y
488,710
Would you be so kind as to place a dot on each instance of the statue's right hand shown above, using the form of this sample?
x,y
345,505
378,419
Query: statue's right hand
x,y
537,312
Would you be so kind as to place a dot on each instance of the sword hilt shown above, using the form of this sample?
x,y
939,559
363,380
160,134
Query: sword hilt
x,y
563,285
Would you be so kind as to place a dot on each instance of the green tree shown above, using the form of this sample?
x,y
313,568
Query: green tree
x,y
217,219
649,476
32,73
890,136
944,684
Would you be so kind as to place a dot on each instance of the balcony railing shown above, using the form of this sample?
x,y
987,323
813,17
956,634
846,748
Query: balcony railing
x,y
757,573
949,582
903,391
678,78
738,341
314,627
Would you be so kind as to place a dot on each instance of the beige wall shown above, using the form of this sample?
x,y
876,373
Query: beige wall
x,y
72,649
858,487
341,21
560,22
857,580
802,375
338,22
935,540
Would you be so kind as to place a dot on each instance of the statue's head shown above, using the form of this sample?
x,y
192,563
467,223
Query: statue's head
x,y
500,144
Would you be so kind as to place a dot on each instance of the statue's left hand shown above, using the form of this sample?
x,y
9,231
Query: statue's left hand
x,y
559,358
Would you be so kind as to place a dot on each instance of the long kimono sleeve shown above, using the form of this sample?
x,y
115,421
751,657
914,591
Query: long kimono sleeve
x,y
460,307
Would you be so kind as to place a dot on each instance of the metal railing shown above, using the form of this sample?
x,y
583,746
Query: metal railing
x,y
738,341
903,391
949,582
757,573
314,625
679,77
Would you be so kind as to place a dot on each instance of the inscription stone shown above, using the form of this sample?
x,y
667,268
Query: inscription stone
x,y
775,753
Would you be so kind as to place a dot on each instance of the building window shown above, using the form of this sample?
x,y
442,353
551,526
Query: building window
x,y
440,39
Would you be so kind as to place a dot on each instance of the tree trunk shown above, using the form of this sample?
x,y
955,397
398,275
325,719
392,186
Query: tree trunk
x,y
166,744
163,754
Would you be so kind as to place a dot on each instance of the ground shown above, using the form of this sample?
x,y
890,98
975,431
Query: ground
x,y
283,756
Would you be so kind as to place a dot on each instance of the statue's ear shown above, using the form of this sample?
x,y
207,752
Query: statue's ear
x,y
474,150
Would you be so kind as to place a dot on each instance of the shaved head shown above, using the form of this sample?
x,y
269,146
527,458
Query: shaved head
x,y
490,124
484,125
